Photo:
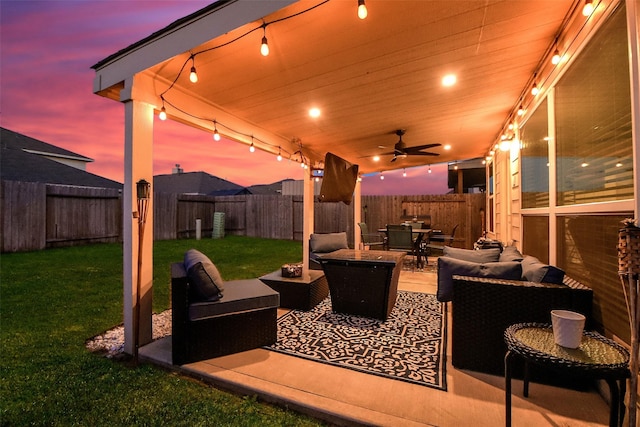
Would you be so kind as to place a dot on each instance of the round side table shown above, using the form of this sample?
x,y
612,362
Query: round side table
x,y
597,358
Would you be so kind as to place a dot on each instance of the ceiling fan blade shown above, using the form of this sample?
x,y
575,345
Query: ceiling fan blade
x,y
424,153
422,147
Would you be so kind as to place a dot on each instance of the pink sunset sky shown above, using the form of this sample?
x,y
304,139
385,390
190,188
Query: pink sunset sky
x,y
46,93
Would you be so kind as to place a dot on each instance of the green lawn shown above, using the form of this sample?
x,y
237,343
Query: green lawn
x,y
52,301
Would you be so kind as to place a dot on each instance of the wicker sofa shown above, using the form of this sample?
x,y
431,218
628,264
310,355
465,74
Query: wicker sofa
x,y
483,307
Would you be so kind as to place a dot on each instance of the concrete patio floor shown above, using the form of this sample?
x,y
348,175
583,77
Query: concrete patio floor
x,y
346,397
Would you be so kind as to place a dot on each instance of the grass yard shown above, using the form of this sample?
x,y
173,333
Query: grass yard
x,y
52,301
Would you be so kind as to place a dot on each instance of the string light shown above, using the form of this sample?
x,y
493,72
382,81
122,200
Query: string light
x,y
264,47
429,169
555,59
520,110
362,10
279,154
587,9
404,173
193,76
216,135
381,176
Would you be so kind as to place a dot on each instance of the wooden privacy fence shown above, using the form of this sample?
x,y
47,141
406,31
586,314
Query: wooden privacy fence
x,y
38,216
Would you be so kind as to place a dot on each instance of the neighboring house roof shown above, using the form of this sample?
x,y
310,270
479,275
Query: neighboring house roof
x,y
196,183
27,159
268,189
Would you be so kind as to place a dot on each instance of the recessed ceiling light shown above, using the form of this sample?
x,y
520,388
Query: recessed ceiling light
x,y
314,112
447,147
449,80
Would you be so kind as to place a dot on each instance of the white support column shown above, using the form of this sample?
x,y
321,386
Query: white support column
x,y
138,164
357,214
307,220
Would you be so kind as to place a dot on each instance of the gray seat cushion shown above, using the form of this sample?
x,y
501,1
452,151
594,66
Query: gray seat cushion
x,y
447,267
239,295
534,270
510,253
483,255
328,242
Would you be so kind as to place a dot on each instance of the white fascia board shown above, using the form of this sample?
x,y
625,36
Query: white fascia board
x,y
175,41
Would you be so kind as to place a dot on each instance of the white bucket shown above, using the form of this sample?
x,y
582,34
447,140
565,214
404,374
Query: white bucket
x,y
567,328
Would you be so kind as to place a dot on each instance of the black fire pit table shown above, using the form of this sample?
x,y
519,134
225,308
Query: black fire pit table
x,y
364,283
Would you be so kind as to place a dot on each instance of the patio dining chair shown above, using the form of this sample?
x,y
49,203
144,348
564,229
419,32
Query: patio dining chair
x,y
400,239
371,240
439,241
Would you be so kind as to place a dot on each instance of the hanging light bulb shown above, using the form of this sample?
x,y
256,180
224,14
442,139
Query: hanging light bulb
x,y
587,9
381,176
279,154
362,10
455,167
521,110
404,173
163,114
193,76
264,47
251,147
216,135
555,59
429,169
534,90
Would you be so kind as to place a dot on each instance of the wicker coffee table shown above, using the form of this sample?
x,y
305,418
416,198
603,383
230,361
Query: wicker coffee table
x,y
597,358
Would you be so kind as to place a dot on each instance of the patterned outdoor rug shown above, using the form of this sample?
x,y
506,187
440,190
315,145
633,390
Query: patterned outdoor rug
x,y
409,346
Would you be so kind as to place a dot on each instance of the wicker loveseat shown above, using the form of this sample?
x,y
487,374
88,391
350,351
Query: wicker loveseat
x,y
483,307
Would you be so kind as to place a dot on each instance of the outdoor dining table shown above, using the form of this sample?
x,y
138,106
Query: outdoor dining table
x,y
418,238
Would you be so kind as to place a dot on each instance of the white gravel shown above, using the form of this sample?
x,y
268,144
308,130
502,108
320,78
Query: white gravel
x,y
111,342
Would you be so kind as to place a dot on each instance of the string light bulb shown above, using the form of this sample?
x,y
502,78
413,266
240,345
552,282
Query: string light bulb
x,y
381,176
251,147
555,59
264,47
163,114
521,110
404,173
534,89
193,76
216,135
587,9
279,154
429,169
362,10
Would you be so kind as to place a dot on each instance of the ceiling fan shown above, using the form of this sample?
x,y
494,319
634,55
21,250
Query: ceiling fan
x,y
400,150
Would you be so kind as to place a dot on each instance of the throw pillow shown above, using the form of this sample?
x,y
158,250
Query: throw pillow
x,y
482,255
510,253
194,256
447,267
202,284
533,270
328,242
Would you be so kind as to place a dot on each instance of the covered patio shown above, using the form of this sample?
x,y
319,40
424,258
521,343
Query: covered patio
x,y
456,76
346,397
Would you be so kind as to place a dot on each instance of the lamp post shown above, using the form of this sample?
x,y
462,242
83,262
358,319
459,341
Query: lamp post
x,y
143,189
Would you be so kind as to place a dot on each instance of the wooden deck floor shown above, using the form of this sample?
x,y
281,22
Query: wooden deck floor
x,y
346,397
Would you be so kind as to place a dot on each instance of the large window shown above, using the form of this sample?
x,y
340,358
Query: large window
x,y
535,237
587,251
534,137
593,121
